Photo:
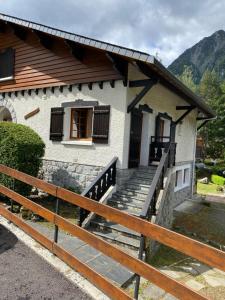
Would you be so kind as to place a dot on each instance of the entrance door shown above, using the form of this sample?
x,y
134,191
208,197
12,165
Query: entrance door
x,y
135,138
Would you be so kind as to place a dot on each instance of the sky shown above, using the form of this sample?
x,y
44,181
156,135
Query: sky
x,y
163,28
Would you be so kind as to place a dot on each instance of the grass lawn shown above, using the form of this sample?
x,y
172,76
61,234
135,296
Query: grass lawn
x,y
205,189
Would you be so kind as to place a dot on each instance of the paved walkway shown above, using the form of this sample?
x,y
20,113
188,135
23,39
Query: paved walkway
x,y
25,275
89,255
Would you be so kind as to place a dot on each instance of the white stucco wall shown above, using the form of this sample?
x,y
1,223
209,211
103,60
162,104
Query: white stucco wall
x,y
158,98
162,100
95,154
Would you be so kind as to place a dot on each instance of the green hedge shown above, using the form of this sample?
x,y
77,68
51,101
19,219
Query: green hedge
x,y
219,180
22,149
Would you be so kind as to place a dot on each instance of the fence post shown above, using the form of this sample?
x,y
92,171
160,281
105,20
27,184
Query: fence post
x,y
56,227
140,256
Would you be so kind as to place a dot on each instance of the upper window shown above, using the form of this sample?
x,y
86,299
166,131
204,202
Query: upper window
x,y
6,64
81,123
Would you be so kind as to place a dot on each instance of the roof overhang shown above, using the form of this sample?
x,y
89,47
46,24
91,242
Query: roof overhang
x,y
145,61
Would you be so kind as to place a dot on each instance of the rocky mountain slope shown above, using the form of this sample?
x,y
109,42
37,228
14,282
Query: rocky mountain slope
x,y
207,54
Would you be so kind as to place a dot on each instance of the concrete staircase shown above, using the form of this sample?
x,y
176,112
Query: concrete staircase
x,y
130,199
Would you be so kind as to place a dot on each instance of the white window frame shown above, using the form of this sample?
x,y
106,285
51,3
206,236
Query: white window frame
x,y
181,171
66,129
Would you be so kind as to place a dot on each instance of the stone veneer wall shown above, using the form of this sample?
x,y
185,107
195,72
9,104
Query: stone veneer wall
x,y
68,174
75,175
167,201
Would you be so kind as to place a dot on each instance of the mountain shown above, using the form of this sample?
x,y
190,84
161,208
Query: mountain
x,y
208,54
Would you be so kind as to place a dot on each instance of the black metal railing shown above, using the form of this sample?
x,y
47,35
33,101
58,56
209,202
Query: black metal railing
x,y
99,186
149,209
157,146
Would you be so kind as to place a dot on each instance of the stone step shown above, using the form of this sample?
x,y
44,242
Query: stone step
x,y
131,193
147,169
127,209
113,227
137,188
138,180
147,176
130,203
121,240
122,197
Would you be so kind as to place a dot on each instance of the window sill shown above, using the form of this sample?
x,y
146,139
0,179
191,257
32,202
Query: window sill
x,y
179,188
6,79
79,143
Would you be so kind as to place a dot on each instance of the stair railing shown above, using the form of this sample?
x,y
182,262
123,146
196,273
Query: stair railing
x,y
99,186
149,209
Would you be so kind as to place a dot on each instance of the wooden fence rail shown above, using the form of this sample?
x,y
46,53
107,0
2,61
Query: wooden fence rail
x,y
134,264
204,253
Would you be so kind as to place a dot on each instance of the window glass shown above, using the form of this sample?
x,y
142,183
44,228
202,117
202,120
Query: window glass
x,y
81,123
6,63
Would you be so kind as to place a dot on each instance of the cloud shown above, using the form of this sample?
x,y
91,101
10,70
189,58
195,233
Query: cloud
x,y
154,26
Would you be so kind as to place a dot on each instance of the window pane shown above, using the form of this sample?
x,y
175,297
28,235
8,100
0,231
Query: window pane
x,y
81,123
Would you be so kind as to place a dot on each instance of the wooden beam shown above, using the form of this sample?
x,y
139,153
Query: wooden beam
x,y
20,32
76,50
139,83
203,124
119,64
45,40
142,93
146,108
112,83
184,115
202,118
32,113
183,107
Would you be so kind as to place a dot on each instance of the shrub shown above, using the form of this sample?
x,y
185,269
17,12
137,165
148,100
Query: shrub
x,y
218,170
219,180
22,149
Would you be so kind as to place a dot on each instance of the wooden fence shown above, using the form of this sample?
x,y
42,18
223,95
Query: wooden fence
x,y
204,253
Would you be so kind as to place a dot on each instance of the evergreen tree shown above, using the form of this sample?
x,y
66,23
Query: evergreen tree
x,y
212,91
188,79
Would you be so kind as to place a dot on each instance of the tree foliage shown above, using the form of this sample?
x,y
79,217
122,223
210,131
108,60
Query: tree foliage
x,y
188,79
212,90
20,148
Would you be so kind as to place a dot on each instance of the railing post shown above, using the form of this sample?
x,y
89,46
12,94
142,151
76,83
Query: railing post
x,y
56,232
140,256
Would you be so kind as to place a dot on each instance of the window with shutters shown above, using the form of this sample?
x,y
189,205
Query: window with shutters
x,y
7,58
81,123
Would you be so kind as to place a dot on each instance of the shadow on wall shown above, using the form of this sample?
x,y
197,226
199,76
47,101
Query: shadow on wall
x,y
7,239
64,179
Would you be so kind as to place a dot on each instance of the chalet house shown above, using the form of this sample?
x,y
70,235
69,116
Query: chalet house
x,y
102,110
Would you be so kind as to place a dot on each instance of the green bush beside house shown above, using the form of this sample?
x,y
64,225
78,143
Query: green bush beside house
x,y
219,180
22,149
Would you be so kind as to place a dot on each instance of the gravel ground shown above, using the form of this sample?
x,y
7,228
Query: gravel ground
x,y
25,276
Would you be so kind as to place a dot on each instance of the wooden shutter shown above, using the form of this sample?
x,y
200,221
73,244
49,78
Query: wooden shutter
x,y
101,124
56,126
7,61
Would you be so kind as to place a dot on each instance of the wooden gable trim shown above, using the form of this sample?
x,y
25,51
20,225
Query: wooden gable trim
x,y
32,113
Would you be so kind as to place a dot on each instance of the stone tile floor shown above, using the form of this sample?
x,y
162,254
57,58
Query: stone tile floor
x,y
201,219
199,277
85,253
